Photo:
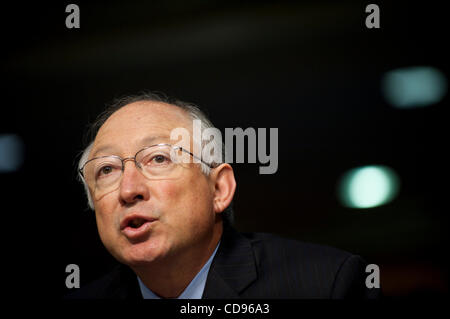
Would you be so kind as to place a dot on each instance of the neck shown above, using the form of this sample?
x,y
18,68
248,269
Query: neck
x,y
168,278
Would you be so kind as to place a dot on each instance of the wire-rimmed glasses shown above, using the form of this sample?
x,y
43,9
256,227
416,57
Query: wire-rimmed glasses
x,y
161,161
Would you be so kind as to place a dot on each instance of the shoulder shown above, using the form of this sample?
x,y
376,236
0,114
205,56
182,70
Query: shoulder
x,y
285,248
292,268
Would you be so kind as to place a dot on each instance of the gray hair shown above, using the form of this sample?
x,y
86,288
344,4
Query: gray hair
x,y
192,110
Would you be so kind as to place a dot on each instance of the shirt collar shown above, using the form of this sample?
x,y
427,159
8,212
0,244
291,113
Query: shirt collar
x,y
195,288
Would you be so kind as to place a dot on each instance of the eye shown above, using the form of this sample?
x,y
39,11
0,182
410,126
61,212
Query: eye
x,y
104,171
159,159
156,159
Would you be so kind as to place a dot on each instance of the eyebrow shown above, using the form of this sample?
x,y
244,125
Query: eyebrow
x,y
110,149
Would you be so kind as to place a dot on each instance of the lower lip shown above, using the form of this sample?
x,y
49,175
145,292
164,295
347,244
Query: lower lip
x,y
135,233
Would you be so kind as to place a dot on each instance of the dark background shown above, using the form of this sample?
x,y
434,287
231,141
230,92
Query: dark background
x,y
311,69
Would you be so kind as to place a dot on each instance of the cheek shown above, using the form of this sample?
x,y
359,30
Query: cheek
x,y
188,192
190,198
167,189
170,196
105,221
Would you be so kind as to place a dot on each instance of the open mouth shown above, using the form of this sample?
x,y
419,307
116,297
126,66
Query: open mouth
x,y
134,227
137,222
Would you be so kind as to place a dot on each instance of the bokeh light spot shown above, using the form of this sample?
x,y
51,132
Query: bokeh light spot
x,y
11,153
414,87
368,186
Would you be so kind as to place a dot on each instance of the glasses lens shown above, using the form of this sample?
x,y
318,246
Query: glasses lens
x,y
160,162
102,173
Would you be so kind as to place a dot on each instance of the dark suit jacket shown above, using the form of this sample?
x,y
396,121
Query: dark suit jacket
x,y
258,265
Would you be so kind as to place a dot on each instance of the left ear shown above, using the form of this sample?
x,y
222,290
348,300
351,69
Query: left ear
x,y
224,186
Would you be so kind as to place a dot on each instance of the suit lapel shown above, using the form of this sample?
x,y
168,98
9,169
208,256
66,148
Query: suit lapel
x,y
233,268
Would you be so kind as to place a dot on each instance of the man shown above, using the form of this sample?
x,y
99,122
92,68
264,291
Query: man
x,y
164,212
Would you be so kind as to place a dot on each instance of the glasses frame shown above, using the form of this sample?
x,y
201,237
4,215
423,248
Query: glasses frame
x,y
133,158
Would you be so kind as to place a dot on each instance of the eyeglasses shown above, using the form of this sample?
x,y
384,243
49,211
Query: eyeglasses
x,y
157,162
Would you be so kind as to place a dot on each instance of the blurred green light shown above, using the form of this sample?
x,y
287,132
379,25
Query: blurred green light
x,y
368,186
414,86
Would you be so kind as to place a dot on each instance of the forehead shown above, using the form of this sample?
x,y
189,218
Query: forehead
x,y
126,129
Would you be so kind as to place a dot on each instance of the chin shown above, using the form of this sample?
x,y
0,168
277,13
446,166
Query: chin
x,y
140,255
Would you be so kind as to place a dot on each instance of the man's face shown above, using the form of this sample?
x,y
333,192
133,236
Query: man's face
x,y
179,212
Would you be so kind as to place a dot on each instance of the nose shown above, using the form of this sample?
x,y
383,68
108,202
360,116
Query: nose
x,y
133,185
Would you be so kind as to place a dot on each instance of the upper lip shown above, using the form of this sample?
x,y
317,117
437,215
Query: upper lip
x,y
126,221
